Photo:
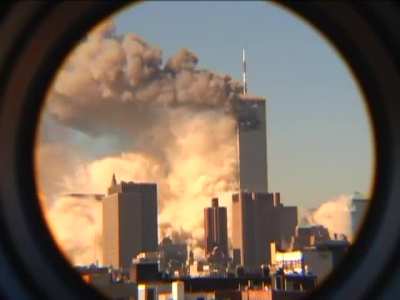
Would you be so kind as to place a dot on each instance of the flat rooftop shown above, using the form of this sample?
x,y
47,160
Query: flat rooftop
x,y
248,97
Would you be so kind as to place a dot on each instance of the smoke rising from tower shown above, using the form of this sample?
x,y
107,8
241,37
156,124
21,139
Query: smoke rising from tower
x,y
168,123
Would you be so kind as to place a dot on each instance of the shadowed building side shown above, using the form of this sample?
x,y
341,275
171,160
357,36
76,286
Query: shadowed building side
x,y
287,223
242,229
359,206
129,222
257,220
216,228
253,227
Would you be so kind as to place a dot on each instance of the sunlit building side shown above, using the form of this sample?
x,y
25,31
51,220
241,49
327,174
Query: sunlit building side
x,y
129,222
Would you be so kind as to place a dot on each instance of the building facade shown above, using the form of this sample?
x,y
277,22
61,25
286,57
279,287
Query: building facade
x,y
252,144
308,236
259,219
319,260
359,206
129,222
216,228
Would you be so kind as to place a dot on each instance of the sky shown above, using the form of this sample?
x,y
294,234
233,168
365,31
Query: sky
x,y
319,141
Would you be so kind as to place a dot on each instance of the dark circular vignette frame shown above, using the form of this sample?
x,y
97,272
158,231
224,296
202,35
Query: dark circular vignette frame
x,y
36,37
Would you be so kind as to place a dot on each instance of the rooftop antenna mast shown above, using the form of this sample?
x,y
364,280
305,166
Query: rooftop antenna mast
x,y
244,72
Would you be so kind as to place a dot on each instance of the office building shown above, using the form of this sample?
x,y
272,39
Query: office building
x,y
258,217
319,260
286,220
252,144
359,206
111,283
251,133
257,220
308,236
152,285
216,228
129,222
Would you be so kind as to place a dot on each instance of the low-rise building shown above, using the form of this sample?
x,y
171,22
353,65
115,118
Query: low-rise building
x,y
318,260
111,283
152,285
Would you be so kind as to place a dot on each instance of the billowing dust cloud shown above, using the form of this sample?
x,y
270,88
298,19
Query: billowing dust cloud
x,y
169,123
334,214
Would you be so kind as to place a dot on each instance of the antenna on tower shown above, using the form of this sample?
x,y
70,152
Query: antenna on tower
x,y
244,72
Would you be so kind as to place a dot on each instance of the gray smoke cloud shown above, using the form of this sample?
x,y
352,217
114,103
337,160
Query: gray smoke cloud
x,y
118,85
170,123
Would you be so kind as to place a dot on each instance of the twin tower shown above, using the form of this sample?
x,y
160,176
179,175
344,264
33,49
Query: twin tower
x,y
258,217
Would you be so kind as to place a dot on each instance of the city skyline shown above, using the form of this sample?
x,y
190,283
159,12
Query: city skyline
x,y
313,155
323,104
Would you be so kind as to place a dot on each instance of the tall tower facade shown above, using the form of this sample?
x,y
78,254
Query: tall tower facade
x,y
258,217
251,133
129,222
359,206
216,228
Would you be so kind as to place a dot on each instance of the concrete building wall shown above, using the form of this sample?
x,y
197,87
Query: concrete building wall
x,y
358,211
216,228
111,231
319,263
252,144
288,295
257,295
254,227
237,228
118,291
249,247
259,219
222,232
131,215
150,215
265,229
200,295
287,222
129,223
178,290
243,227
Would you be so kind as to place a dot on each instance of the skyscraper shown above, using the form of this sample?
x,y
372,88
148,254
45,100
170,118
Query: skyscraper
x,y
129,222
216,228
359,206
257,220
258,217
252,228
251,132
252,144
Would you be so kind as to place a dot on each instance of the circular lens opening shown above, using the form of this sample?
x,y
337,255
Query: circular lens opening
x,y
280,137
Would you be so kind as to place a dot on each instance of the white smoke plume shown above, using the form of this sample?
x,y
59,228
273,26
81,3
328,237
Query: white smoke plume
x,y
334,214
174,126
